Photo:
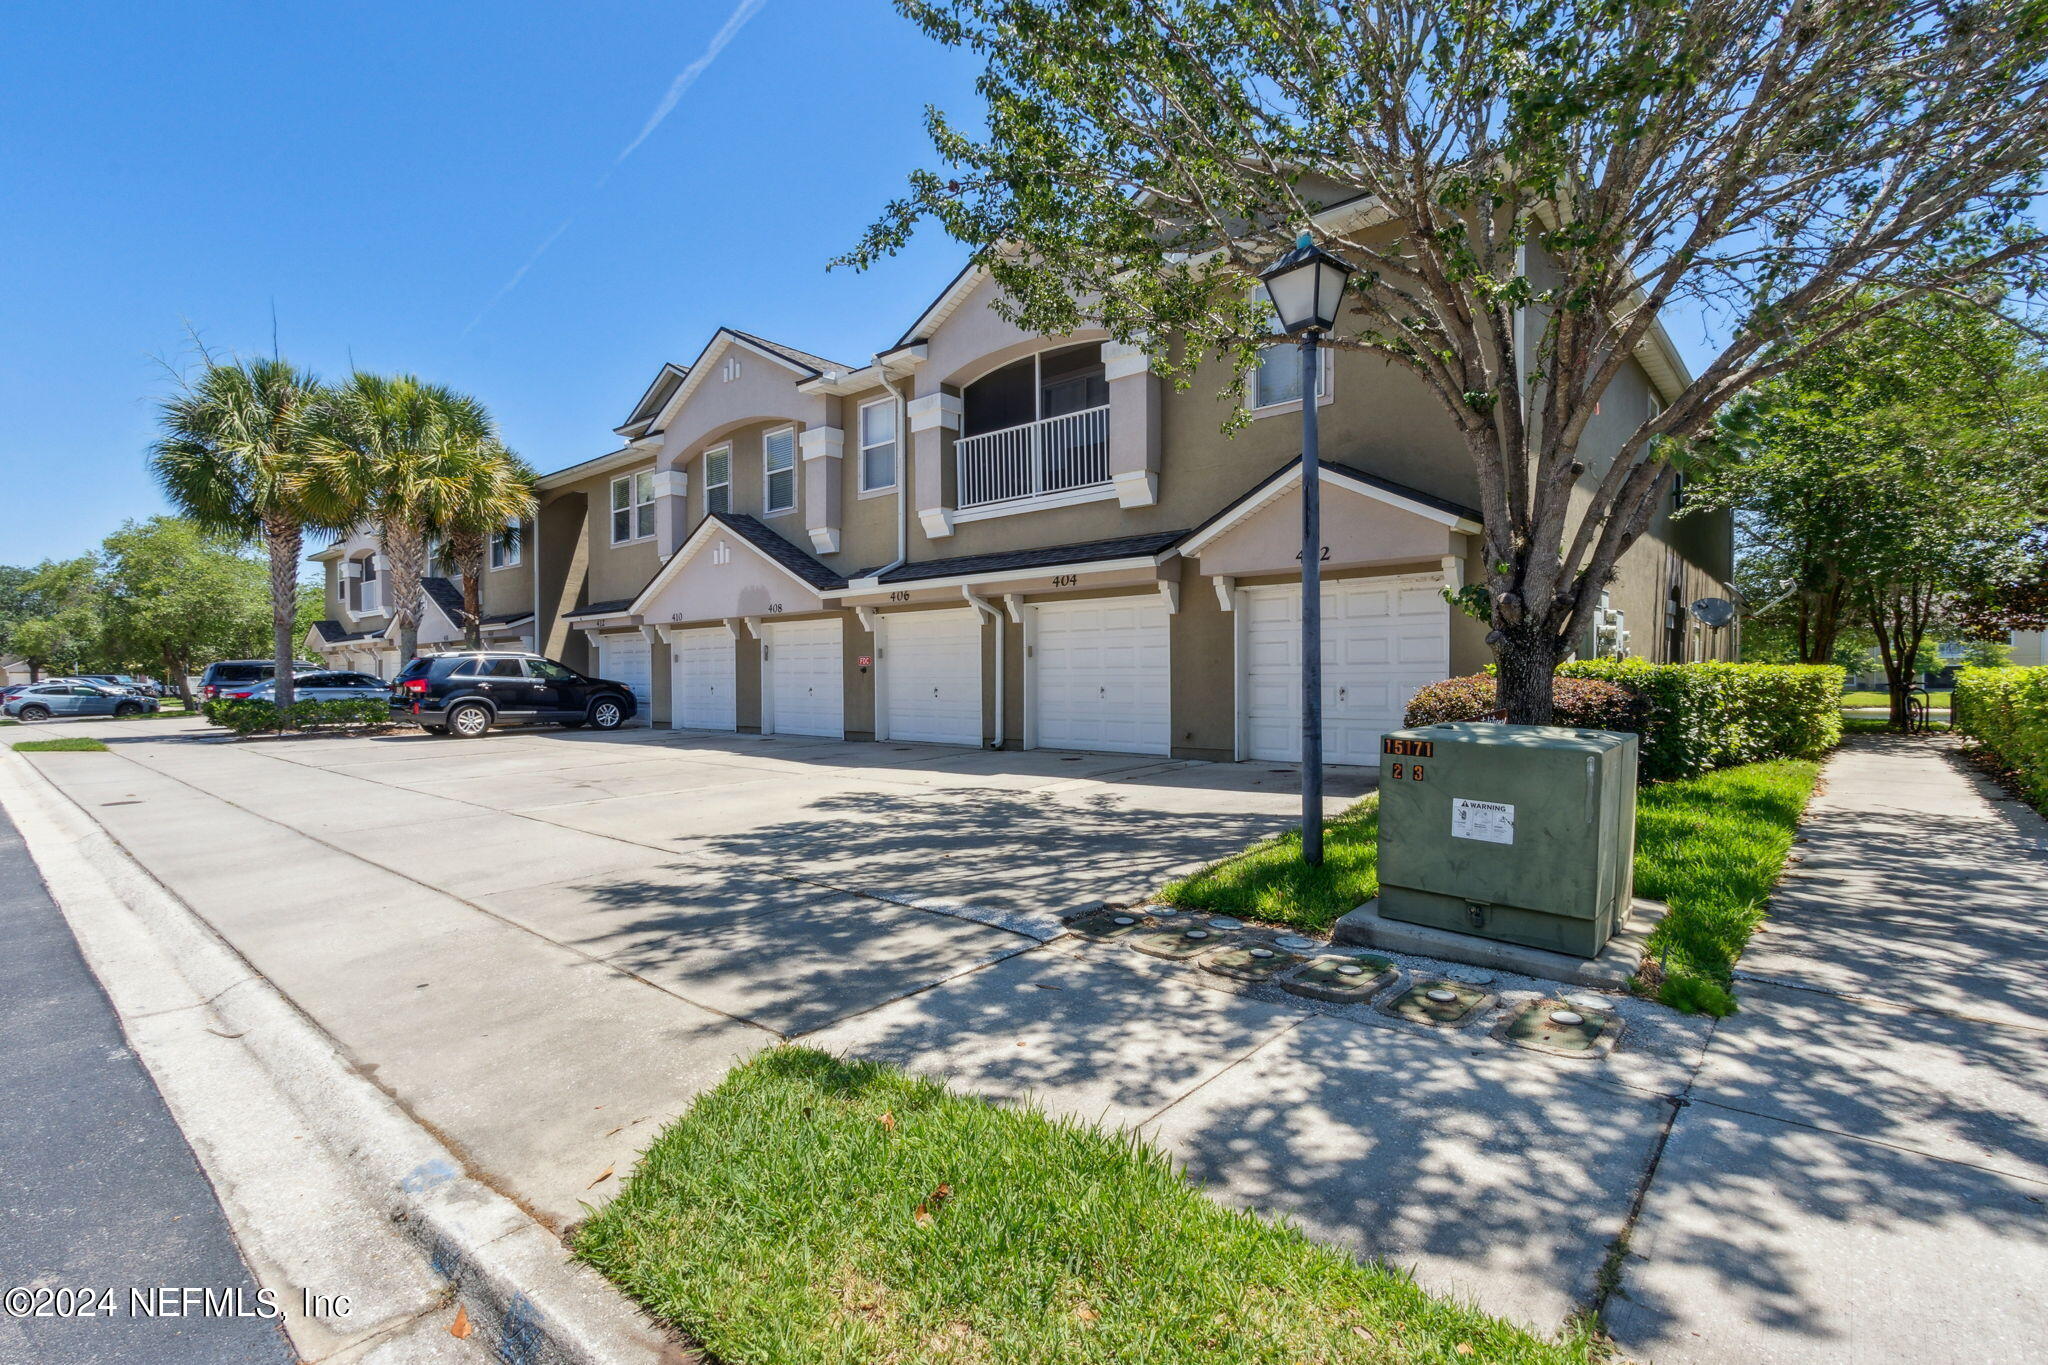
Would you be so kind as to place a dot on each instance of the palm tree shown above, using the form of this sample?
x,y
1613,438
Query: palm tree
x,y
237,453
403,453
498,497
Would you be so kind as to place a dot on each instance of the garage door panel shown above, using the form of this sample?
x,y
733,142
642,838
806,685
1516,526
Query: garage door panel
x,y
932,666
629,659
705,679
1375,658
1101,676
806,679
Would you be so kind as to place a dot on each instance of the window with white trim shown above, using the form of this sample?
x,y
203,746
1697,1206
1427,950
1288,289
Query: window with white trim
x,y
878,445
718,480
1277,377
778,471
505,548
633,507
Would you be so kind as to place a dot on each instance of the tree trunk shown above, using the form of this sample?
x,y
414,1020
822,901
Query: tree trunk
x,y
284,539
1527,663
405,543
180,674
469,562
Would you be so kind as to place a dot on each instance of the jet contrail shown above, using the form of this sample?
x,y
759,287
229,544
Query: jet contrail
x,y
687,77
677,88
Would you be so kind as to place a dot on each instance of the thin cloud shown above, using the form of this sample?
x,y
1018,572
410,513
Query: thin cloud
x,y
677,88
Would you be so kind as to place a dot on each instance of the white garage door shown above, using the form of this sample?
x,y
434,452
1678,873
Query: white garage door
x,y
627,659
1383,638
806,681
1100,677
931,664
704,679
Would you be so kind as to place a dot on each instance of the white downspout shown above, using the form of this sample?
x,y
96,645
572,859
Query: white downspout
x,y
534,550
994,617
902,468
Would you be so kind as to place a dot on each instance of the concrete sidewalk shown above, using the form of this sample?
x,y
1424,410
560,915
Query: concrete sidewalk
x,y
1862,1170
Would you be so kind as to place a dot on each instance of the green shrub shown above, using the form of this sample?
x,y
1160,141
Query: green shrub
x,y
1585,703
1701,716
2006,710
245,717
1693,718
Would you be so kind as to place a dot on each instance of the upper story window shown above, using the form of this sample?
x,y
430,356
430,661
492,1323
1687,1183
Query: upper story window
x,y
505,548
878,445
778,470
718,480
633,507
365,593
1048,384
1277,378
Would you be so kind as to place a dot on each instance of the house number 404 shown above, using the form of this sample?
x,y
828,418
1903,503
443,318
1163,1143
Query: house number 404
x,y
1065,580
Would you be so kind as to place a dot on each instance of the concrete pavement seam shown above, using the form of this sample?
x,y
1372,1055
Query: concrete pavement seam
x,y
1862,998
539,1299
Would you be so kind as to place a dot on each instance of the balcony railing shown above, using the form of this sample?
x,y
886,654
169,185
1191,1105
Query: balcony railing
x,y
1052,455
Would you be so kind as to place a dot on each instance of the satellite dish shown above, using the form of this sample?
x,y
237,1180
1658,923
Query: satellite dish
x,y
1715,612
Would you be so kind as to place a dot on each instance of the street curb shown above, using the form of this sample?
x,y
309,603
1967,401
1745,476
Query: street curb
x,y
525,1297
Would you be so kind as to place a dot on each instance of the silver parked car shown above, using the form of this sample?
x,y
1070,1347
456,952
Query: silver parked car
x,y
327,687
67,698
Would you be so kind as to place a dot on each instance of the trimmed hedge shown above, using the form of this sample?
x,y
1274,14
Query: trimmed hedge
x,y
1692,717
245,717
1586,703
2006,710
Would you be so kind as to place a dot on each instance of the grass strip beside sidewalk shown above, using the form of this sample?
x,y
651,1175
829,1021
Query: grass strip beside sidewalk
x,y
812,1209
70,744
1710,846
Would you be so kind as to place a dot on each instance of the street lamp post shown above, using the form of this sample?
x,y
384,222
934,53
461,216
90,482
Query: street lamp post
x,y
1306,287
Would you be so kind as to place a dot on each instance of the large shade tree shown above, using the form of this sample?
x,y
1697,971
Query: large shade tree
x,y
1881,484
1525,187
403,455
174,595
237,454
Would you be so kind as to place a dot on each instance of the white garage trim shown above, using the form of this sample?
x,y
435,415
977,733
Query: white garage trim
x,y
1099,676
928,677
1383,638
803,678
703,678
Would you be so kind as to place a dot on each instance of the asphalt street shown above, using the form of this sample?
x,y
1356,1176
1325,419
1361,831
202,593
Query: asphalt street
x,y
109,1219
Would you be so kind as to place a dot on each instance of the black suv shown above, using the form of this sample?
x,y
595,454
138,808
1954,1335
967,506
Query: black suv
x,y
237,678
466,694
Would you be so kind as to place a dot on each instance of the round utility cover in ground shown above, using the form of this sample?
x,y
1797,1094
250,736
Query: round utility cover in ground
x,y
1471,976
1226,922
1424,1002
1174,943
1254,963
1295,943
1108,923
1341,980
1562,1028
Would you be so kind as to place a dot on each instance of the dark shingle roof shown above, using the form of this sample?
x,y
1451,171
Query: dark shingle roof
x,y
505,618
816,363
331,633
447,596
1402,490
611,608
779,550
1039,557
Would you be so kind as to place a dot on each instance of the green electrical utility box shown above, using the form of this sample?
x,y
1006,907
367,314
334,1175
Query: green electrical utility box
x,y
1523,833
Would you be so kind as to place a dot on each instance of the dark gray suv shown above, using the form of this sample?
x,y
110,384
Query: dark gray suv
x,y
466,694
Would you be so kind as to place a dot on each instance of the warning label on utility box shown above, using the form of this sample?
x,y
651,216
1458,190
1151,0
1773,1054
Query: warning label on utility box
x,y
1488,821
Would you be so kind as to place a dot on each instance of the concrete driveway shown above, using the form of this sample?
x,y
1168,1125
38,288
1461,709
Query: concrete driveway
x,y
546,943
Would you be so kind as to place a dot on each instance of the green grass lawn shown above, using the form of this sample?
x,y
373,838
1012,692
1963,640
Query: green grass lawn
x,y
1711,846
811,1209
1936,701
1269,881
70,744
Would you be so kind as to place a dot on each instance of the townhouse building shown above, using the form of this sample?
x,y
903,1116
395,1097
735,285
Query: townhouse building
x,y
985,537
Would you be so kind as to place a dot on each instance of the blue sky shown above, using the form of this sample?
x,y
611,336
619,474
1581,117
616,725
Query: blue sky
x,y
381,172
